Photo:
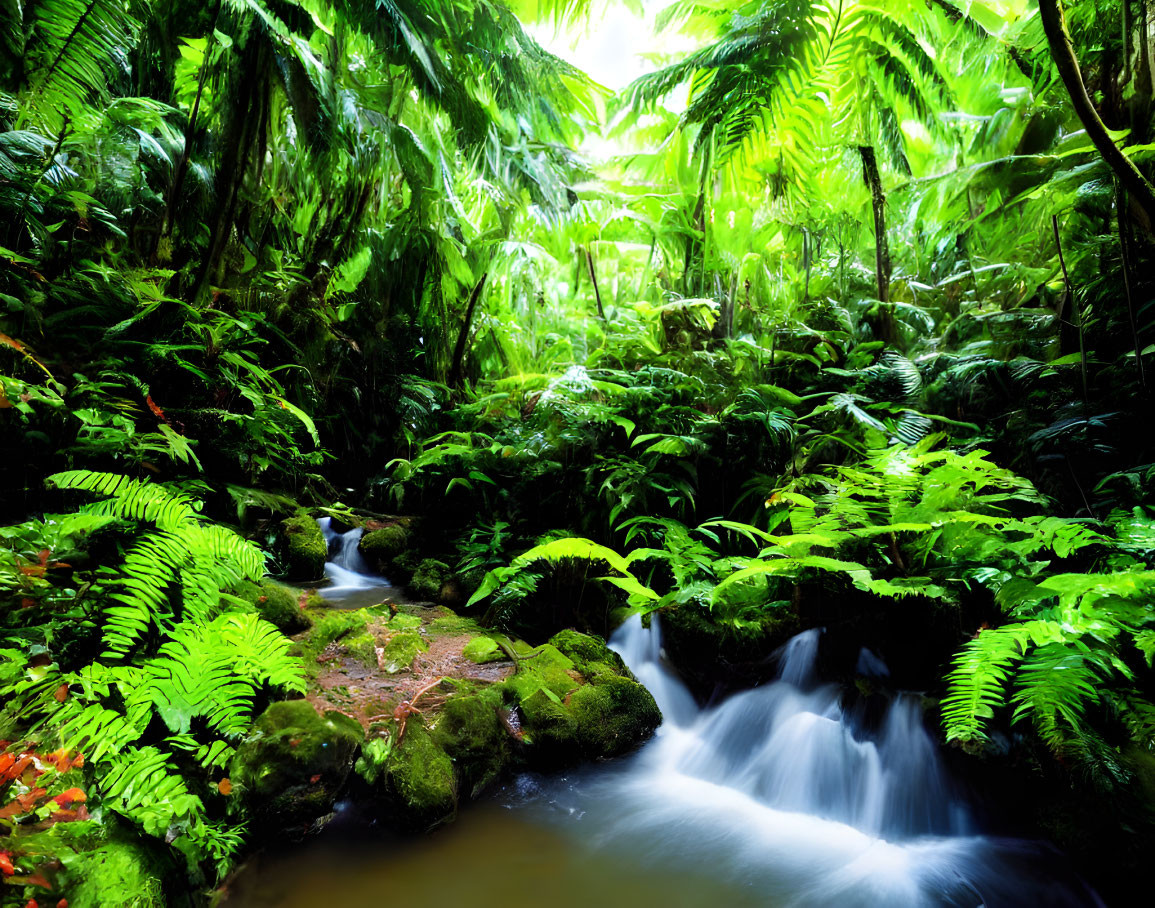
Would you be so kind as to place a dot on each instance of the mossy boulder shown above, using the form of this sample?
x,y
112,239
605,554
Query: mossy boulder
x,y
277,604
579,701
304,548
381,547
469,731
707,651
415,777
292,765
428,580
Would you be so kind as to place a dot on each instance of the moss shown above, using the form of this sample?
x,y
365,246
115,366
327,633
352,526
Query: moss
x,y
451,624
469,731
304,547
401,650
332,625
380,547
482,650
292,765
403,567
421,780
612,715
427,581
545,667
404,622
362,647
590,653
277,604
125,874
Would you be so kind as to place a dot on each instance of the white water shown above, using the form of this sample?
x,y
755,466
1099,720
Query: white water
x,y
350,578
779,789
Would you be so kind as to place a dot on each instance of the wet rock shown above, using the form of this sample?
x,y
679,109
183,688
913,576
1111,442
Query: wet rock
x,y
292,765
304,548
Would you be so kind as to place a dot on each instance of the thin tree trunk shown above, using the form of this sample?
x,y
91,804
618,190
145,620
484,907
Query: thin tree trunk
x,y
594,281
872,179
1125,251
1077,316
457,370
1136,185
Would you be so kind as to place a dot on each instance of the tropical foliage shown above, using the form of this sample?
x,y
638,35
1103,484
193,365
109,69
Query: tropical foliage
x,y
851,302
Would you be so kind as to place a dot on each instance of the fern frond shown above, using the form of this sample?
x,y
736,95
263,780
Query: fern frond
x,y
80,46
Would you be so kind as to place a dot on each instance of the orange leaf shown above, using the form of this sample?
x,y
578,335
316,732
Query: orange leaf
x,y
6,864
156,411
315,779
63,903
31,904
72,796
225,787
61,693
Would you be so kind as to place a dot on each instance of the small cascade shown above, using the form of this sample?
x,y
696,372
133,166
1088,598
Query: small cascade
x,y
780,786
349,576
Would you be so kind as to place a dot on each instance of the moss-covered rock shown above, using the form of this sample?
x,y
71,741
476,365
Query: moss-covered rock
x,y
401,568
292,765
707,651
381,547
401,649
304,548
580,703
415,777
469,731
277,604
428,580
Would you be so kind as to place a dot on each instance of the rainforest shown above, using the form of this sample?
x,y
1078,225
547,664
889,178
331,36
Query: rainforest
x,y
520,452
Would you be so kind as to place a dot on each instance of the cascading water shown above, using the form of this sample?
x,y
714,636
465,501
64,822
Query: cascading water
x,y
781,789
350,578
778,796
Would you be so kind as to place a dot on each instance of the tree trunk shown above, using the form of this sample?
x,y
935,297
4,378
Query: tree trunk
x,y
1137,186
457,370
878,202
594,281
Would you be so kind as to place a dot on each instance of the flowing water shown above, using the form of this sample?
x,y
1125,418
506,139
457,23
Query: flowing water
x,y
778,796
349,581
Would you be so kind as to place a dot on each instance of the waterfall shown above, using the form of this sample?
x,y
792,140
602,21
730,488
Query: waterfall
x,y
783,789
349,576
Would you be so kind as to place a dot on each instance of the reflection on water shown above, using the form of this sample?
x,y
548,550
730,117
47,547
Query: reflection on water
x,y
490,858
777,796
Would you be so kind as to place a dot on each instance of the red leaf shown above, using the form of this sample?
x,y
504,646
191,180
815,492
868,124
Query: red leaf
x,y
6,864
315,779
35,879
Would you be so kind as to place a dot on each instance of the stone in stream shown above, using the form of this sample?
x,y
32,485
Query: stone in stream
x,y
303,547
439,728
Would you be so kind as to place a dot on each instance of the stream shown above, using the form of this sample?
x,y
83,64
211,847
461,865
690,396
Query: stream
x,y
777,796
349,583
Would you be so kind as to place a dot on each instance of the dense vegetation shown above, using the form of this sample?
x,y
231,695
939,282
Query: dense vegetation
x,y
859,334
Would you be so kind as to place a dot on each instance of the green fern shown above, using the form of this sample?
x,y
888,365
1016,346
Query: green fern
x,y
79,48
